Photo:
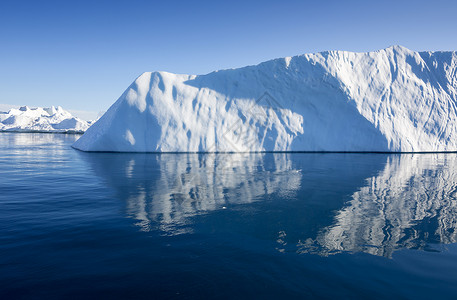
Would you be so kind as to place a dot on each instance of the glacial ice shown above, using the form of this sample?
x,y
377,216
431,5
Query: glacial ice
x,y
391,100
52,119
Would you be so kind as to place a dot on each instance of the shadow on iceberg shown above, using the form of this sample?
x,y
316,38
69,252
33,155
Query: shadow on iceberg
x,y
303,95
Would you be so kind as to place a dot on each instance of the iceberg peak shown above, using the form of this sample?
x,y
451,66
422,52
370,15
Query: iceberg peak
x,y
398,48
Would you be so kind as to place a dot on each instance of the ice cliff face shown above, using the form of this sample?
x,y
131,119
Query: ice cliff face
x,y
389,100
52,119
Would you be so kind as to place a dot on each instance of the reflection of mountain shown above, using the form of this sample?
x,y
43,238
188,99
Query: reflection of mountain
x,y
21,139
408,205
36,147
169,188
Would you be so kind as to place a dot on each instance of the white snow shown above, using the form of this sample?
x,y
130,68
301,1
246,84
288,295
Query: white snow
x,y
52,119
390,100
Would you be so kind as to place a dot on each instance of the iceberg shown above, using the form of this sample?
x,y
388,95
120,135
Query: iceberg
x,y
52,119
391,100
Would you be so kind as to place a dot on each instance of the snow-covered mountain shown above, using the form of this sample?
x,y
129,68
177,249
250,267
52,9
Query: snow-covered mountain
x,y
389,100
53,119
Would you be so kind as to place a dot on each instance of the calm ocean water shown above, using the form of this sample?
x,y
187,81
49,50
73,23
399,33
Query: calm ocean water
x,y
105,225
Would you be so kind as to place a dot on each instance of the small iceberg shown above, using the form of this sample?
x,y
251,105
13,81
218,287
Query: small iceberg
x,y
53,119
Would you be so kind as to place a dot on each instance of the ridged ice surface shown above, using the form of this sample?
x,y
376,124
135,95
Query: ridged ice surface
x,y
389,100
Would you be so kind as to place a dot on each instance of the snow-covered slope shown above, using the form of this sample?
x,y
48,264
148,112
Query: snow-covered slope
x,y
53,119
389,100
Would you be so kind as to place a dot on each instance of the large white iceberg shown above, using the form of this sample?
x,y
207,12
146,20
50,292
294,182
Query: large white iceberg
x,y
53,119
390,100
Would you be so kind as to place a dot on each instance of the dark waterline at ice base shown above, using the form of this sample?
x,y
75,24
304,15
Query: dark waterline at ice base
x,y
261,225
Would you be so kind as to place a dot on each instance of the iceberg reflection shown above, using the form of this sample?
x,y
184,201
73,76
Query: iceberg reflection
x,y
46,150
410,204
317,203
168,189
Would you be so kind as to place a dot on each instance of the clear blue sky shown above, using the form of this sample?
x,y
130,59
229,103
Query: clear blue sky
x,y
83,54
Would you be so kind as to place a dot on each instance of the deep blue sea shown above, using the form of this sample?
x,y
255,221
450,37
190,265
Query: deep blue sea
x,y
77,225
